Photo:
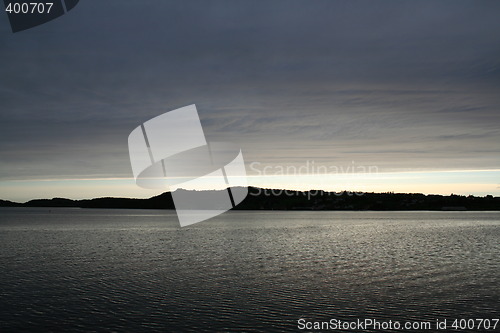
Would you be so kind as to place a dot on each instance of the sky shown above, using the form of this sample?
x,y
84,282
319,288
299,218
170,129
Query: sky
x,y
372,95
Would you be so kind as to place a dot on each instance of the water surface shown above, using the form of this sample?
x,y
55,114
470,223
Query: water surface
x,y
137,270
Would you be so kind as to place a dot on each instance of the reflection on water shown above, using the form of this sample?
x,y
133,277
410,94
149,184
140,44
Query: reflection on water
x,y
138,271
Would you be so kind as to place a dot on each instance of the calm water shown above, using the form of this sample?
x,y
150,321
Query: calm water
x,y
131,270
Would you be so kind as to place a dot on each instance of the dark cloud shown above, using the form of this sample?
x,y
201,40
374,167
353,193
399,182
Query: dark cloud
x,y
393,83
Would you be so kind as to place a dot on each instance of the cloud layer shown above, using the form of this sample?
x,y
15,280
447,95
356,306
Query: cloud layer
x,y
398,84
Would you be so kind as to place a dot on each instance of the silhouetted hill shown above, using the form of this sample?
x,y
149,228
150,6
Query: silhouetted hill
x,y
55,202
272,199
6,203
162,201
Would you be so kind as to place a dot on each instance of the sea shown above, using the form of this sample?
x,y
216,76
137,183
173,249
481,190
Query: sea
x,y
102,270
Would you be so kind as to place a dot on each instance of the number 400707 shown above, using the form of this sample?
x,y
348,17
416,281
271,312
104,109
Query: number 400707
x,y
29,7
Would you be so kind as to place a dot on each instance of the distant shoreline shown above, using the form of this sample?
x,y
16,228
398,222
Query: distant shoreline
x,y
289,200
264,210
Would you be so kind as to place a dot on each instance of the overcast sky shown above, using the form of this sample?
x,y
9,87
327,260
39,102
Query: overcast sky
x,y
407,86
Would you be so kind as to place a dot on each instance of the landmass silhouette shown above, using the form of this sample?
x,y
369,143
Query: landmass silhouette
x,y
279,199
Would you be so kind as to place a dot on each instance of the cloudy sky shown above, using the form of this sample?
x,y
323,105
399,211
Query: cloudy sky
x,y
388,95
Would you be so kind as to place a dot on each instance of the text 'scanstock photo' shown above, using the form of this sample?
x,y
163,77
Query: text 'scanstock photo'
x,y
250,166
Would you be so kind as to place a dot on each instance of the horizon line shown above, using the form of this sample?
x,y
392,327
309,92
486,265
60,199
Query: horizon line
x,y
262,188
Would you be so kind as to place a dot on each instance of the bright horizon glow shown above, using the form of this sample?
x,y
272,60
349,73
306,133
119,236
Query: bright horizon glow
x,y
445,182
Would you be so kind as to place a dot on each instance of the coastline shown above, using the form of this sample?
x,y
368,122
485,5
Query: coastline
x,y
288,200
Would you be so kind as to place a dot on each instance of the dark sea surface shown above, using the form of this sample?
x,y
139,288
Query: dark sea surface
x,y
137,270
